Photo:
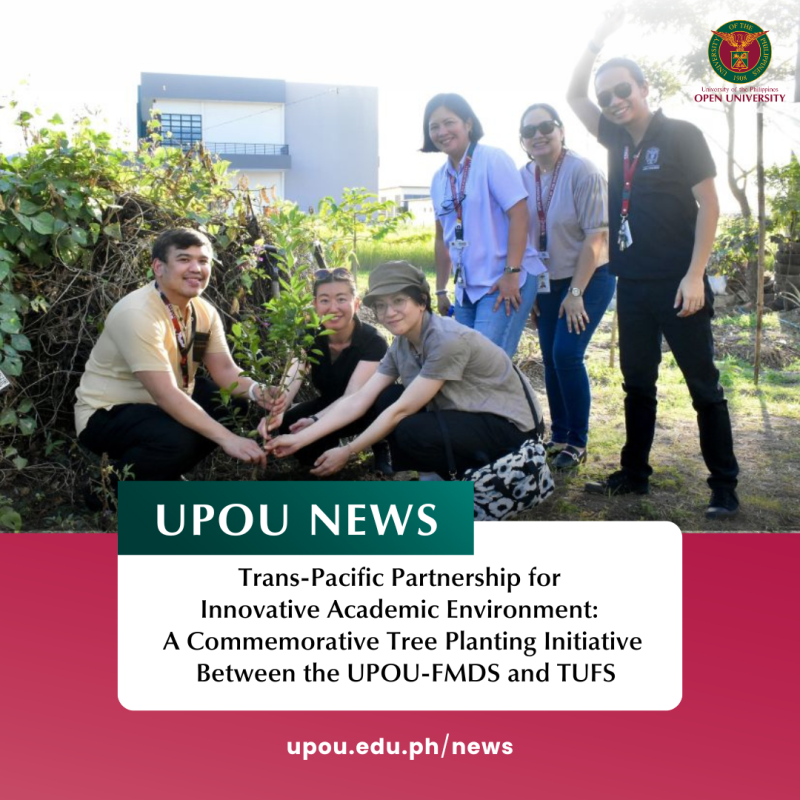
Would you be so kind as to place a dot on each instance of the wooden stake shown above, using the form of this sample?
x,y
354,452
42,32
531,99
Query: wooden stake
x,y
761,236
613,339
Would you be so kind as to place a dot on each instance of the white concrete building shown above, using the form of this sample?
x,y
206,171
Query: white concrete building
x,y
299,141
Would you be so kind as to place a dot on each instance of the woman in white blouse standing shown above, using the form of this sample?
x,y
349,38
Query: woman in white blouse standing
x,y
481,226
568,206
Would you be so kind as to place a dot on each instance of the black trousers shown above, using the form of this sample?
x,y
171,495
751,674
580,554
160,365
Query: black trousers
x,y
144,437
646,313
476,439
311,452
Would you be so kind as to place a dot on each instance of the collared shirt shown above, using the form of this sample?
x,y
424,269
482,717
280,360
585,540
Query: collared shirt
x,y
139,337
493,187
330,378
663,211
478,376
579,206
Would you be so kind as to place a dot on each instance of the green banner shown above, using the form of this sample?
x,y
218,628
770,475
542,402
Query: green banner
x,y
295,518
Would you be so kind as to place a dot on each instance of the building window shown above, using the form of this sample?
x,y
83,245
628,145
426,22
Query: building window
x,y
186,129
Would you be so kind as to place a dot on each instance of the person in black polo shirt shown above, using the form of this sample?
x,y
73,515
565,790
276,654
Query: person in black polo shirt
x,y
663,212
350,356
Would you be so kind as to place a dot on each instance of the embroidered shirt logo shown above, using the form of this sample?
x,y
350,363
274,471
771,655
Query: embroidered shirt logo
x,y
651,159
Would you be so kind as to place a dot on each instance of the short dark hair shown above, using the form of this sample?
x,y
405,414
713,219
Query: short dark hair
x,y
460,107
419,297
550,110
180,238
626,63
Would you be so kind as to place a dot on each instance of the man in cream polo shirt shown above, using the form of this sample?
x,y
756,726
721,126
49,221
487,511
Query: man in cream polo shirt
x,y
139,400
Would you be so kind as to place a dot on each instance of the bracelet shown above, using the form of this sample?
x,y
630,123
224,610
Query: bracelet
x,y
441,291
512,270
251,391
595,48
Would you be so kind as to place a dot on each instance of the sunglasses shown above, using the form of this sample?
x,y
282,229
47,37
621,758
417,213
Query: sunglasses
x,y
545,128
449,206
621,90
339,274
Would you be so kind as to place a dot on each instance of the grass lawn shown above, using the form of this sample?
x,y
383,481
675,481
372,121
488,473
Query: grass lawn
x,y
766,423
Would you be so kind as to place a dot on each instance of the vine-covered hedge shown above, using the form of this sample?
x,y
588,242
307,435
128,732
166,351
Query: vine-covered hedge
x,y
77,220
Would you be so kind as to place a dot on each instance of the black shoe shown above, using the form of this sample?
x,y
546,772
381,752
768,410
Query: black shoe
x,y
724,504
618,482
568,459
382,458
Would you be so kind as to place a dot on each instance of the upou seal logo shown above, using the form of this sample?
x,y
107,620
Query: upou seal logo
x,y
739,51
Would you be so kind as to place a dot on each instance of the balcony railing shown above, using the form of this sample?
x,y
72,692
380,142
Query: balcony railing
x,y
241,149
233,148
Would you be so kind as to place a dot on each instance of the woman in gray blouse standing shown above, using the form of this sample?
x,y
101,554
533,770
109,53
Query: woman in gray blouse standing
x,y
568,205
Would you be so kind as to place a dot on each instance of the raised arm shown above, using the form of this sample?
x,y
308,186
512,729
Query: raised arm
x,y
587,111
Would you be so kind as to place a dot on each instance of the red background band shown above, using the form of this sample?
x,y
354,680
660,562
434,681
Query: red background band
x,y
63,733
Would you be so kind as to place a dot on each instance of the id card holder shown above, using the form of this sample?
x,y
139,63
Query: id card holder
x,y
624,239
543,283
200,346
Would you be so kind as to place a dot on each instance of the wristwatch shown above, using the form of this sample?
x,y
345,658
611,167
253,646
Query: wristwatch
x,y
575,291
512,270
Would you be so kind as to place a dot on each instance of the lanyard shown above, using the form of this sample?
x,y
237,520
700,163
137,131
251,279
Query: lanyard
x,y
627,175
458,197
543,208
180,337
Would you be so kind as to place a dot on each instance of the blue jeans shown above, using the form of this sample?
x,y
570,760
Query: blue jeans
x,y
568,392
504,331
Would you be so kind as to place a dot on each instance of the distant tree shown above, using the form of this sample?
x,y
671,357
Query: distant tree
x,y
359,215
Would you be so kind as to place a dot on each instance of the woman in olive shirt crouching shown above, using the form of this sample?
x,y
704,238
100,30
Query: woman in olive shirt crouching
x,y
444,367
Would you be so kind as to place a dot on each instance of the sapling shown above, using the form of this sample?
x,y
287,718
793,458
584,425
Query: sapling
x,y
280,333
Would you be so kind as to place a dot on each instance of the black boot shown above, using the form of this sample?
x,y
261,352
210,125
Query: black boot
x,y
382,458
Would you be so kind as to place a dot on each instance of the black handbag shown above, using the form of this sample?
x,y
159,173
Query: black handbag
x,y
514,482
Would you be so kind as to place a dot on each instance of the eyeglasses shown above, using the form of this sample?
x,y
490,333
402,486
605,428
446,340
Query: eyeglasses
x,y
381,307
621,90
449,206
339,274
546,128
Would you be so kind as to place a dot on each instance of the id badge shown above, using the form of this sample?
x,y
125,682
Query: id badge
x,y
624,239
458,244
543,285
544,255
